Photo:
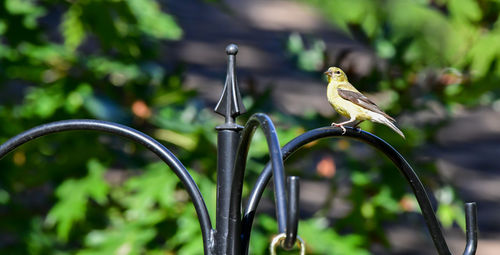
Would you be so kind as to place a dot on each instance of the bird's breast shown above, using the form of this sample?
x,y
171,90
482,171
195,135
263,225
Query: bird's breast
x,y
345,107
335,100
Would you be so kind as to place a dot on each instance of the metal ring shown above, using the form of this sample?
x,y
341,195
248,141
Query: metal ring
x,y
278,240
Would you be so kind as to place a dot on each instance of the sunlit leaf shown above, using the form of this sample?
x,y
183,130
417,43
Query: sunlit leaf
x,y
73,197
320,239
72,27
484,52
152,21
465,9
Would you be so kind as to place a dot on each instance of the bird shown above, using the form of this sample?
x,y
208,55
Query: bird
x,y
348,101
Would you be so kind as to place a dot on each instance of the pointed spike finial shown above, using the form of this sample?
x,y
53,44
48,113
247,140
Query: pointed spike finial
x,y
230,104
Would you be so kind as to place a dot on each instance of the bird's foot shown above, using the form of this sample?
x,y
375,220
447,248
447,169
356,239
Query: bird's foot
x,y
340,126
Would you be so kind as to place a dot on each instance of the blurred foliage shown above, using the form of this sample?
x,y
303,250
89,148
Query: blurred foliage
x,y
89,193
443,50
86,193
308,59
438,57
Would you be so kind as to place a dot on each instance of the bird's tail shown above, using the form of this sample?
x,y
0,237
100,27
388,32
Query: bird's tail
x,y
383,120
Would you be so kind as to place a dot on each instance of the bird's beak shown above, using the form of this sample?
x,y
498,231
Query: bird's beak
x,y
328,72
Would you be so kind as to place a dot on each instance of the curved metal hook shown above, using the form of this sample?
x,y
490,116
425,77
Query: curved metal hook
x,y
471,228
382,146
292,216
136,136
277,170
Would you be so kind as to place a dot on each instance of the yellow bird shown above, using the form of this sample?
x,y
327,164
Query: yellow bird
x,y
348,101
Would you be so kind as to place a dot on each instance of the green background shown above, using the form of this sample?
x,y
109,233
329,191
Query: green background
x,y
89,193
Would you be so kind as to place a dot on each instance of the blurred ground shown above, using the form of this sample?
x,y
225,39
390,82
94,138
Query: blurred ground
x,y
467,148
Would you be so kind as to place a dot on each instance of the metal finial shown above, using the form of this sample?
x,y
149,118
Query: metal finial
x,y
232,49
230,104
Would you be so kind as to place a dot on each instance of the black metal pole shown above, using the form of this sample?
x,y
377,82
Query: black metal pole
x,y
227,141
228,137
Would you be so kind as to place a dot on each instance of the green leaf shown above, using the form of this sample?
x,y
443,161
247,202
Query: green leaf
x,y
385,49
465,9
152,21
360,178
42,102
208,190
121,239
189,237
28,9
453,89
20,6
73,196
95,183
186,141
484,52
320,239
156,186
3,27
76,98
119,72
386,200
445,214
4,197
294,43
72,27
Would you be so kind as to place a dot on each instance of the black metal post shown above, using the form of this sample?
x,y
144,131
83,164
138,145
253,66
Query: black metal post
x,y
227,140
228,137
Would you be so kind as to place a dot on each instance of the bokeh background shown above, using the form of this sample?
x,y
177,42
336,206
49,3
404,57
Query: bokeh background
x,y
159,66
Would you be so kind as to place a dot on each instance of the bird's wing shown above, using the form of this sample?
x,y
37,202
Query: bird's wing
x,y
359,99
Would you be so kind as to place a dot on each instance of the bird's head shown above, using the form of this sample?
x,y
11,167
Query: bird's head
x,y
335,74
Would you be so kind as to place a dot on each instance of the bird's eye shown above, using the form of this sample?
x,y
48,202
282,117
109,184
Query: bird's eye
x,y
337,72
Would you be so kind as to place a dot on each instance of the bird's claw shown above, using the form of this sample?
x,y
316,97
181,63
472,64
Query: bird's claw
x,y
340,126
343,129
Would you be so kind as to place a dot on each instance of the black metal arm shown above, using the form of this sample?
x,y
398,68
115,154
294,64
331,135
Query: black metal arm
x,y
277,167
393,155
136,136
